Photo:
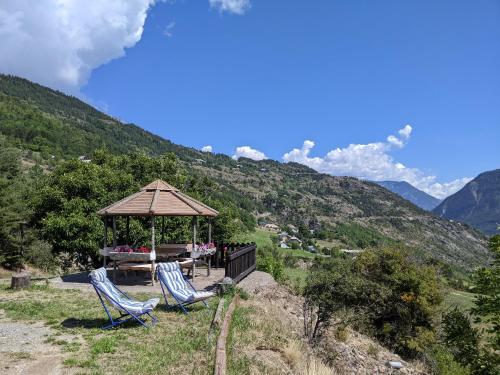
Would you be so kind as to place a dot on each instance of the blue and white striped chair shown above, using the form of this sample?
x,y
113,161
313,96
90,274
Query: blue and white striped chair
x,y
123,303
179,287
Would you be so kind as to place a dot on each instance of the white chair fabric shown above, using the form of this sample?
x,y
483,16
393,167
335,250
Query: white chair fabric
x,y
178,287
116,298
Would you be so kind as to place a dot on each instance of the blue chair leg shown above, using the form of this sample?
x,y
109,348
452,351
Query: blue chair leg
x,y
167,305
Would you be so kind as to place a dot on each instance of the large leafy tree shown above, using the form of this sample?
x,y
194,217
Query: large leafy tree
x,y
487,286
12,207
66,202
477,347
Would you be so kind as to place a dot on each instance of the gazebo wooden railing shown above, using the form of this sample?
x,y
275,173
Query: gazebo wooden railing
x,y
239,260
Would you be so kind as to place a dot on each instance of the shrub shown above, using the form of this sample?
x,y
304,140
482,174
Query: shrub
x,y
271,261
442,362
383,291
39,254
460,337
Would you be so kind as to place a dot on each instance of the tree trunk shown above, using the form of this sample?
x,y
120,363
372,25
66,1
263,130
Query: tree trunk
x,y
20,280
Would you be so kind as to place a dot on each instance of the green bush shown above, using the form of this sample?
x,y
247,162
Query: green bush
x,y
271,261
466,343
442,362
460,337
39,254
388,295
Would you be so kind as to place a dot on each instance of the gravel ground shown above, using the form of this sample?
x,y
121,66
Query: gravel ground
x,y
24,350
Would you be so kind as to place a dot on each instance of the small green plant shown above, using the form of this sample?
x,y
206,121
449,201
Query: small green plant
x,y
342,334
373,351
104,345
243,294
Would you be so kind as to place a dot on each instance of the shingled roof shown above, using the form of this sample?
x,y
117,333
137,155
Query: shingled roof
x,y
158,199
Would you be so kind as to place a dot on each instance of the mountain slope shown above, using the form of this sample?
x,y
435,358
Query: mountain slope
x,y
477,203
411,193
346,211
52,123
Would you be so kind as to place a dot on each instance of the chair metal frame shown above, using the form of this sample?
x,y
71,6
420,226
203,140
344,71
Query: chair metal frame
x,y
180,304
129,314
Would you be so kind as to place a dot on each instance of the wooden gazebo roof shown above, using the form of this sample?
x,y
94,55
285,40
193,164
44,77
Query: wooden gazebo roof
x,y
158,199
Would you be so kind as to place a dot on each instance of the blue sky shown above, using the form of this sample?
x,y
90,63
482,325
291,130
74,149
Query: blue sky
x,y
333,72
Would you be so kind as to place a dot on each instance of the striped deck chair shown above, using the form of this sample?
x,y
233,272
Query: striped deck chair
x,y
129,309
179,287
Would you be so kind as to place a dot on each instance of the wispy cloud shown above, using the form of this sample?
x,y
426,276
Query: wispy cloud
x,y
207,148
372,161
231,6
168,31
248,152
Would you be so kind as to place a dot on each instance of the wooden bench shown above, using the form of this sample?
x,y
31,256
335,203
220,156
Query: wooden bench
x,y
134,267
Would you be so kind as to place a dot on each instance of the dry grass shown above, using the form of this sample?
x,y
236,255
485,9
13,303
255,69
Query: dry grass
x,y
293,353
316,367
263,340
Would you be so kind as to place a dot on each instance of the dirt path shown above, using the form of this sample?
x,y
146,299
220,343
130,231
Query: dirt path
x,y
24,349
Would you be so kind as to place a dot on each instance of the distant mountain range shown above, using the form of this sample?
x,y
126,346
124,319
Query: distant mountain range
x,y
49,126
411,193
477,204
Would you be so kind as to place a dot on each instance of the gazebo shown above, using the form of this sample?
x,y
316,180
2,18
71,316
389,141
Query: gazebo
x,y
157,199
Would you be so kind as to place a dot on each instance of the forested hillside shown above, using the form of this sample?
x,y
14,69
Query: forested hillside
x,y
52,123
345,212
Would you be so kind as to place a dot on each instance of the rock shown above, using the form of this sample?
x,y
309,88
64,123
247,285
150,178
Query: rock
x,y
395,364
225,285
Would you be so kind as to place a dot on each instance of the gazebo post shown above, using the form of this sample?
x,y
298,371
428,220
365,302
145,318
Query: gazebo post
x,y
153,251
114,246
128,229
114,231
209,241
163,229
105,245
194,243
209,230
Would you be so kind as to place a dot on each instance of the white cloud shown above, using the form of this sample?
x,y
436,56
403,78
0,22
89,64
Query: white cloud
x,y
248,152
168,32
231,6
404,136
207,148
372,161
59,42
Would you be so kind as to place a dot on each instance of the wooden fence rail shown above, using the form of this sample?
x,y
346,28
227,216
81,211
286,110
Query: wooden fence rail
x,y
240,260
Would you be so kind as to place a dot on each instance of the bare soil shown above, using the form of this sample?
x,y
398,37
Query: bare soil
x,y
24,350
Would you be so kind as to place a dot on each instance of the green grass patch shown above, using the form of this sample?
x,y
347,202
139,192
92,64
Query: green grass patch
x,y
237,362
21,356
176,342
456,298
296,277
260,236
298,253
